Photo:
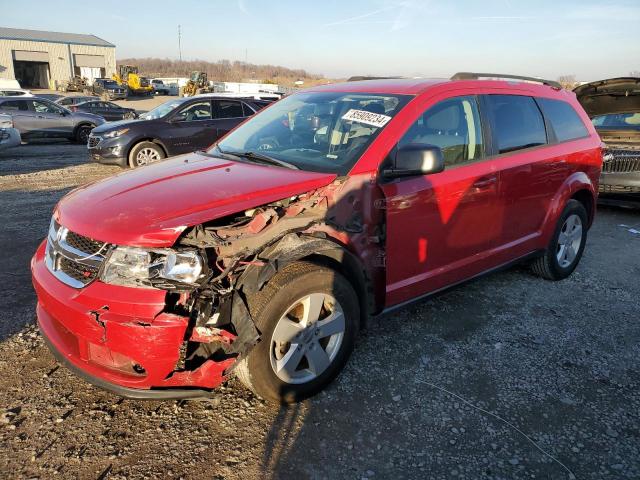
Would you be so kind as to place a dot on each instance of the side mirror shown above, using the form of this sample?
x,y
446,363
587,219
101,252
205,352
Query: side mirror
x,y
416,159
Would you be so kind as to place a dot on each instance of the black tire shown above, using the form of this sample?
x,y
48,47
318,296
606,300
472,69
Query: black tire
x,y
134,155
548,265
270,304
82,133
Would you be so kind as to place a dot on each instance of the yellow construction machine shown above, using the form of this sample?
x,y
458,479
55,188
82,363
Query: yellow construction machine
x,y
198,83
127,76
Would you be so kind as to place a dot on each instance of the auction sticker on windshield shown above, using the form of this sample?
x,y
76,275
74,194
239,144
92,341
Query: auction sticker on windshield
x,y
368,118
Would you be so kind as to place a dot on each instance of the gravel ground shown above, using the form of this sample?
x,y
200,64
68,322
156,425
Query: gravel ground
x,y
508,377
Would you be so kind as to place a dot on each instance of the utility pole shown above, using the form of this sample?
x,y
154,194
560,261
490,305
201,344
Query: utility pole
x,y
179,42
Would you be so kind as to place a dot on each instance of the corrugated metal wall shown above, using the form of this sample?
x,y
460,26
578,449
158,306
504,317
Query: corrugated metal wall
x,y
60,58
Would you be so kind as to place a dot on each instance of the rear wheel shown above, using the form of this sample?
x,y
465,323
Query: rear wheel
x,y
308,316
566,246
145,153
83,132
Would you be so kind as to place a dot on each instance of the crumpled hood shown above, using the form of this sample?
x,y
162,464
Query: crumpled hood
x,y
151,206
611,96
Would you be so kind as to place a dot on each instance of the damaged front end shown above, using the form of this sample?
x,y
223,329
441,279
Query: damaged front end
x,y
173,323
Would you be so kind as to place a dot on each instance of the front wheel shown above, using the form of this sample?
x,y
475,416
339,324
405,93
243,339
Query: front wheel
x,y
308,316
145,153
565,249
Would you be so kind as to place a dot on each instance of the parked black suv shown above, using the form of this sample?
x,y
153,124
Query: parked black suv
x,y
106,89
177,126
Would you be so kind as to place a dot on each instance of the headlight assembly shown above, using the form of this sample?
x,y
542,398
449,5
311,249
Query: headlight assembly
x,y
163,268
115,133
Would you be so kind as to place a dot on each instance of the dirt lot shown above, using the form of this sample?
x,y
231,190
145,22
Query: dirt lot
x,y
444,389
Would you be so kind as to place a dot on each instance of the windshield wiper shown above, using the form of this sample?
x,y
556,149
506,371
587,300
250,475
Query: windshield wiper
x,y
259,158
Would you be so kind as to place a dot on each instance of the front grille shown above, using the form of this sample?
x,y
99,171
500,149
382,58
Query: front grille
x,y
4,135
84,244
81,273
73,258
93,141
623,161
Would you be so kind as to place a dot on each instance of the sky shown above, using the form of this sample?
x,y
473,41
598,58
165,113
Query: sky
x,y
589,39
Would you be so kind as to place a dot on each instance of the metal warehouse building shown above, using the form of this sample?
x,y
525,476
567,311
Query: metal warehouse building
x,y
48,59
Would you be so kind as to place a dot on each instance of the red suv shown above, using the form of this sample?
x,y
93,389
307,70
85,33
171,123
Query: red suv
x,y
265,255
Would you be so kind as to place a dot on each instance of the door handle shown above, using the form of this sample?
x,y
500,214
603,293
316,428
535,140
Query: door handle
x,y
485,182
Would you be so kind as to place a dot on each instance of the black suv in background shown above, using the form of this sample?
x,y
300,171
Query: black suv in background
x,y
106,89
175,127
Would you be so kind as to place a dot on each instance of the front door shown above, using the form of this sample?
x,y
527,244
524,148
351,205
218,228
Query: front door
x,y
50,120
441,227
192,128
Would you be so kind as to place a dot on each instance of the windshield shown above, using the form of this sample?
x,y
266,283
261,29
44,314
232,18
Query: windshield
x,y
161,110
321,132
109,83
617,120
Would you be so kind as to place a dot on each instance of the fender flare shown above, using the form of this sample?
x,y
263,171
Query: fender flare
x,y
295,247
574,183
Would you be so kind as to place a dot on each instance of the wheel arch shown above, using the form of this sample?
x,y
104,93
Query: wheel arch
x,y
147,139
587,199
321,251
578,184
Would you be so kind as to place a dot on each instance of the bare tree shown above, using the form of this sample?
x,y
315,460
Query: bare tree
x,y
223,70
568,82
634,73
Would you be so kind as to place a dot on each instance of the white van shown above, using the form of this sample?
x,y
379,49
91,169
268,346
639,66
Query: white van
x,y
11,88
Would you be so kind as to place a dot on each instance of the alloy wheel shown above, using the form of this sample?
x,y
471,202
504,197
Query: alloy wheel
x,y
146,156
307,338
569,241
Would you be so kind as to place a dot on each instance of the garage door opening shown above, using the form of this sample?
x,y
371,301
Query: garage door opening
x,y
32,74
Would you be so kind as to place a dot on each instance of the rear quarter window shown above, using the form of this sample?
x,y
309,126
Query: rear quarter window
x,y
564,120
516,122
14,105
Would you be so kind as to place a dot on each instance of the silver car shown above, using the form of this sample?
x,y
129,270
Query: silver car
x,y
41,118
9,136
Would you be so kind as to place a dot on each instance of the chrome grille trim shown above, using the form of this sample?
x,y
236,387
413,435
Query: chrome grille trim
x,y
67,263
94,141
623,161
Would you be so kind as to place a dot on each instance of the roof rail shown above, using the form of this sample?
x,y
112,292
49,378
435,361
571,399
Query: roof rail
x,y
476,76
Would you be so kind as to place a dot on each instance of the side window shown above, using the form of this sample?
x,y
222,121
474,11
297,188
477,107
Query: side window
x,y
43,107
564,120
516,122
14,105
229,109
247,110
454,126
194,112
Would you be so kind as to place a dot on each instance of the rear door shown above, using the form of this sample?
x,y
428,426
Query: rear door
x,y
228,114
191,128
442,227
21,115
530,174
